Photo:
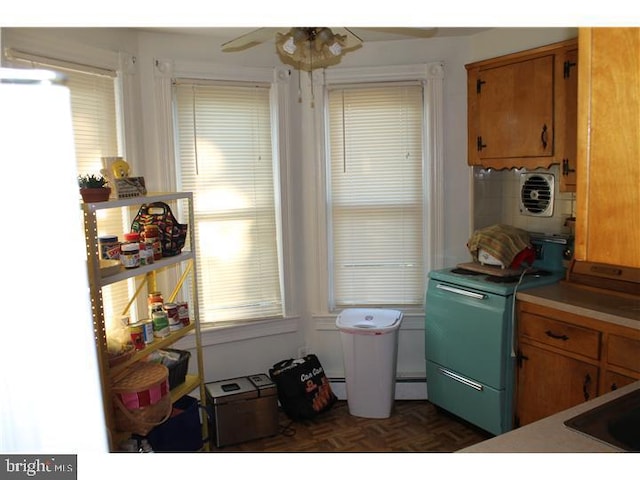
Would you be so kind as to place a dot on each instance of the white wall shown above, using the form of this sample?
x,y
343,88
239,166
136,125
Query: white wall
x,y
497,200
236,352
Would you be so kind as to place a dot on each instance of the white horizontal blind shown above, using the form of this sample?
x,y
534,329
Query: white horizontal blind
x,y
225,157
376,195
95,129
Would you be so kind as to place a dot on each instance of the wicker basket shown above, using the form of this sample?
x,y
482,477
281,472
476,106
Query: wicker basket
x,y
142,399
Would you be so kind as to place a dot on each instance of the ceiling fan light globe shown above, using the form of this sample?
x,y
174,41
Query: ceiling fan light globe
x,y
335,49
289,46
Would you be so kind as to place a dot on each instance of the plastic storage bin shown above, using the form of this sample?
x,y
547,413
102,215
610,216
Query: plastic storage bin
x,y
370,346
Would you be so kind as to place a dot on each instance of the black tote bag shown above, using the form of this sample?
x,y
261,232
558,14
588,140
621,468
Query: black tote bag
x,y
303,388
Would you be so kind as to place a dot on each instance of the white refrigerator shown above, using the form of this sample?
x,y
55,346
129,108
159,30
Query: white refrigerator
x,y
50,394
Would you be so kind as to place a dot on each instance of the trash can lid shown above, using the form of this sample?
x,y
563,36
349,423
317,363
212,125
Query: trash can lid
x,y
368,320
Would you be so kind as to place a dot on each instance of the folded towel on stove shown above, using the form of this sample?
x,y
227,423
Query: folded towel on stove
x,y
503,242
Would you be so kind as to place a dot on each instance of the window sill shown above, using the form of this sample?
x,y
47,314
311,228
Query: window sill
x,y
411,321
212,334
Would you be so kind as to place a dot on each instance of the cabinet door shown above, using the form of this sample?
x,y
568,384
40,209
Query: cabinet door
x,y
607,195
515,110
549,383
567,115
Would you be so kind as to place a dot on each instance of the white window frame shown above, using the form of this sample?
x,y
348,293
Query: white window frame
x,y
165,70
432,77
26,51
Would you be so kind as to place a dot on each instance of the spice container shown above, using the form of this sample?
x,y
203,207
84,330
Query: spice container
x,y
130,255
151,238
154,302
151,231
136,331
147,331
183,313
160,324
106,244
146,254
173,316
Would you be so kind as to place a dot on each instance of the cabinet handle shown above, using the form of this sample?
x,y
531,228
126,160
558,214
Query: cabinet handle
x,y
549,333
543,136
520,357
479,144
565,167
585,386
614,386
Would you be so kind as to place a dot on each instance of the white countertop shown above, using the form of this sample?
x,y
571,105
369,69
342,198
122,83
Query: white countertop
x,y
550,435
621,310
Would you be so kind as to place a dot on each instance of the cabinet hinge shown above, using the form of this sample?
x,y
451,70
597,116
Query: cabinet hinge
x,y
479,84
567,68
565,167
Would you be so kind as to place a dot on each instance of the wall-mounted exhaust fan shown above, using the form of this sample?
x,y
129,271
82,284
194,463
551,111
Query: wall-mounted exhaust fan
x,y
536,194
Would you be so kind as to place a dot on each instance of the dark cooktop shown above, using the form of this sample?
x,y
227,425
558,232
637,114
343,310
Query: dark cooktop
x,y
501,279
616,422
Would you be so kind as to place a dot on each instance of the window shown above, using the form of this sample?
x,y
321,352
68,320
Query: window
x,y
384,184
225,156
377,195
96,133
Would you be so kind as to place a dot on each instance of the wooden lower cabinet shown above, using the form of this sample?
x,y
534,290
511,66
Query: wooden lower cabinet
x,y
565,359
549,382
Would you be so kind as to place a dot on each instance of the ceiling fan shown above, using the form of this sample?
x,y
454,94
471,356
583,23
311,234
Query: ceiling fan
x,y
308,48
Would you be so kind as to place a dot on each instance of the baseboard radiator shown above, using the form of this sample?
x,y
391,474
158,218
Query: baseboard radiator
x,y
406,388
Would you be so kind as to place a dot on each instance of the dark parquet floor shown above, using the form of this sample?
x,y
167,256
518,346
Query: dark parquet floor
x,y
414,426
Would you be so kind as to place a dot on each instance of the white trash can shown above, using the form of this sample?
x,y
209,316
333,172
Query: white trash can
x,y
370,347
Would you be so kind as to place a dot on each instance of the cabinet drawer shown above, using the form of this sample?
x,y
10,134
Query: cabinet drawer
x,y
623,352
571,338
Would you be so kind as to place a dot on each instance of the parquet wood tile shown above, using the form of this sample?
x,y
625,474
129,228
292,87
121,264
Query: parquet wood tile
x,y
414,426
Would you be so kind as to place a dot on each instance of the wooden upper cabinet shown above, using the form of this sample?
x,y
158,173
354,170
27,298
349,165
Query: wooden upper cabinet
x,y
522,109
608,189
515,110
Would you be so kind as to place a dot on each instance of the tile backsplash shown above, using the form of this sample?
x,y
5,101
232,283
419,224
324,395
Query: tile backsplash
x,y
497,200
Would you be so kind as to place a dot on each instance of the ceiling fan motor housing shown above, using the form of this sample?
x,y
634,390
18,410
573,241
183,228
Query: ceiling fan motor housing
x,y
537,194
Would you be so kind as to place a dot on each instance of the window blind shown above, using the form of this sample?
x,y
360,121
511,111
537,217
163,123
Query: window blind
x,y
376,195
225,157
95,128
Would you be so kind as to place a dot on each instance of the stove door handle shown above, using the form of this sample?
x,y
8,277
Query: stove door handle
x,y
460,291
461,379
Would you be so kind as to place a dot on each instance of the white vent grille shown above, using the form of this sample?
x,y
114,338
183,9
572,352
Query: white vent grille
x,y
536,194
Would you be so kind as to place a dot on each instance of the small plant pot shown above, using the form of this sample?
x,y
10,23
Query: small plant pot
x,y
95,195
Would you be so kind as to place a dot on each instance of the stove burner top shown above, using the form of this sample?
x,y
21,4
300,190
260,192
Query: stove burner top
x,y
535,272
464,271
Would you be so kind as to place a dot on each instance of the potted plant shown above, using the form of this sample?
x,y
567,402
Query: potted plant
x,y
93,188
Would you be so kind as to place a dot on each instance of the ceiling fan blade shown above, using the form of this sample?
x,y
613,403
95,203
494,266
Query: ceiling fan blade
x,y
426,32
352,41
251,39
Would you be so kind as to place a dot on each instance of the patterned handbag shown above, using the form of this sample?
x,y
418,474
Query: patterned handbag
x,y
172,234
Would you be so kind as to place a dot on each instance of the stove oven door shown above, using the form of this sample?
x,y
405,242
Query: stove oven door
x,y
468,354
